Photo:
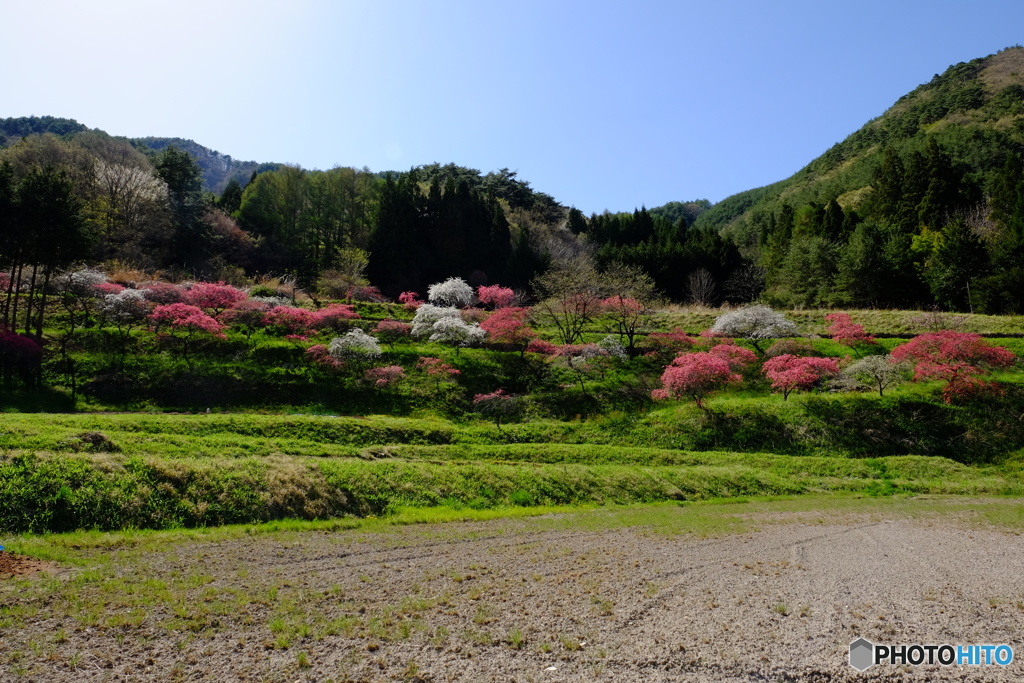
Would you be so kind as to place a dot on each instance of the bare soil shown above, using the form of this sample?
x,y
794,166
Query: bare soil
x,y
19,565
517,601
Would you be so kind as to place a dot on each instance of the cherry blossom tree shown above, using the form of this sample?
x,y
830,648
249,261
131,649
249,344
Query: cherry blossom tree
x,y
959,358
695,376
248,316
125,310
411,300
290,320
665,346
437,370
788,373
187,323
335,317
355,347
627,313
497,405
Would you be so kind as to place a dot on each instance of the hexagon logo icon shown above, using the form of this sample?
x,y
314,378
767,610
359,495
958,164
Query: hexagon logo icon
x,y
862,654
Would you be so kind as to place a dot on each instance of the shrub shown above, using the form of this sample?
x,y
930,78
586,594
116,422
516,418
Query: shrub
x,y
787,372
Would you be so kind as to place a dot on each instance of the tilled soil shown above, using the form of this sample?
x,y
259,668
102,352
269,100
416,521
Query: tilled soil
x,y
19,565
494,602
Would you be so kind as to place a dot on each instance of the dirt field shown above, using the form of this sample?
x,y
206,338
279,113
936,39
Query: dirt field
x,y
777,594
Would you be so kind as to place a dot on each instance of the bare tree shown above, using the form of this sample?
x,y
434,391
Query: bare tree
x,y
701,287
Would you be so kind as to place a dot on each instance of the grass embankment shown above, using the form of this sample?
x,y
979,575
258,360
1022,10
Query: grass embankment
x,y
164,471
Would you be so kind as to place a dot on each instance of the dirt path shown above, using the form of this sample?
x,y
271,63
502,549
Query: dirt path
x,y
503,601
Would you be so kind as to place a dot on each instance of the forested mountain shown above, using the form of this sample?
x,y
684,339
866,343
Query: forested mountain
x,y
218,169
922,206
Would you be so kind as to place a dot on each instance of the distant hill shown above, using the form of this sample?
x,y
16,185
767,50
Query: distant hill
x,y
974,110
922,206
217,168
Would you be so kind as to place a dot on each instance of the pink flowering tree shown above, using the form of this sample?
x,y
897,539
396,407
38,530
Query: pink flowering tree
x,y
437,370
286,320
508,326
495,296
665,346
737,357
788,373
497,405
335,317
20,359
187,323
627,314
848,333
319,356
959,358
163,293
384,377
411,300
695,376
389,331
248,316
214,297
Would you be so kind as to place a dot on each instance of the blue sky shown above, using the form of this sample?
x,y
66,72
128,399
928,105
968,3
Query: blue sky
x,y
604,105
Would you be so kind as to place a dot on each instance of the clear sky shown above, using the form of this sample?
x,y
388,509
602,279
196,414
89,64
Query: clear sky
x,y
603,105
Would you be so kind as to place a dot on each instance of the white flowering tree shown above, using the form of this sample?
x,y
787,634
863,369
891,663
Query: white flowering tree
x,y
755,324
878,371
125,309
356,346
456,332
452,292
427,315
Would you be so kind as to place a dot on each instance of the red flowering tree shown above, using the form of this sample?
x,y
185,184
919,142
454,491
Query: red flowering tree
x,y
215,297
959,358
848,333
495,296
788,372
247,315
695,376
508,326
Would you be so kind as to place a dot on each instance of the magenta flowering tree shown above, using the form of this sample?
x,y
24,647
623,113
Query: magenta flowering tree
x,y
958,358
335,317
248,316
695,376
287,320
437,370
215,297
411,300
788,373
20,359
495,296
187,323
665,346
848,333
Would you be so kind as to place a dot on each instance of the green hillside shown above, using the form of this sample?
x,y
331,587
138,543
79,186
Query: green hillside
x,y
923,205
